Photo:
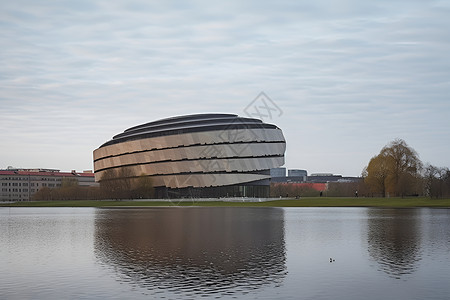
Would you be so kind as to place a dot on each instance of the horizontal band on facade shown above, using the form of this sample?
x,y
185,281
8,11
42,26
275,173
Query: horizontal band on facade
x,y
159,133
186,118
191,159
259,172
186,124
188,146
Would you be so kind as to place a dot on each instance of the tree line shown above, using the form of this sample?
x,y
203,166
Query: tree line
x,y
122,184
396,171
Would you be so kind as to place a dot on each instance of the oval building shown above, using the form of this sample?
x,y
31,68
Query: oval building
x,y
202,155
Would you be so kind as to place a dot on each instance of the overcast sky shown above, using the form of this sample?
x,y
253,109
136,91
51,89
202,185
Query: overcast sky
x,y
345,77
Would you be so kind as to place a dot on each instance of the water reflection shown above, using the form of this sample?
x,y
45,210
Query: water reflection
x,y
394,240
193,251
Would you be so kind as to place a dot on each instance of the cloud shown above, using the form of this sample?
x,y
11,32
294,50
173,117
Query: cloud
x,y
86,70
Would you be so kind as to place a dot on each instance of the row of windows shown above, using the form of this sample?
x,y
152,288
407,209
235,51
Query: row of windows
x,y
16,184
31,178
26,184
80,180
15,178
17,190
25,190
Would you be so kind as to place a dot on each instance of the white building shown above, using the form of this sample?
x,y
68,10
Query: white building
x,y
22,184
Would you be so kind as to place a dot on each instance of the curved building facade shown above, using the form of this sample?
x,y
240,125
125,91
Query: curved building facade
x,y
203,155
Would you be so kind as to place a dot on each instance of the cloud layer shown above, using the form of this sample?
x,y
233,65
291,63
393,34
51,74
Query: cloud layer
x,y
349,76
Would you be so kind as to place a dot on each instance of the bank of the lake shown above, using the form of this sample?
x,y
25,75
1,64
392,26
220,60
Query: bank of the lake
x,y
303,202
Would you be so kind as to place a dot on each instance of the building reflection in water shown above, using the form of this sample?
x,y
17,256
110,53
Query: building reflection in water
x,y
193,251
394,240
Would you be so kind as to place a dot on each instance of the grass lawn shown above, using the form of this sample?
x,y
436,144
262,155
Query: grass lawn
x,y
303,202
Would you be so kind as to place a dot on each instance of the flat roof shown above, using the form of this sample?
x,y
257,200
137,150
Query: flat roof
x,y
54,174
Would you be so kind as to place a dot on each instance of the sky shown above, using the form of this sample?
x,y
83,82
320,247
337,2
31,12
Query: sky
x,y
341,78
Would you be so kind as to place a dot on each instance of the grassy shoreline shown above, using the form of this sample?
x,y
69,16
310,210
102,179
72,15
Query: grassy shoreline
x,y
303,202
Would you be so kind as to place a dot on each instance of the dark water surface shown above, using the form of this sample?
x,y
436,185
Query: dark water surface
x,y
243,253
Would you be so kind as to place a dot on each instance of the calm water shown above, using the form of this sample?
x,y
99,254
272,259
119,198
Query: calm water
x,y
244,253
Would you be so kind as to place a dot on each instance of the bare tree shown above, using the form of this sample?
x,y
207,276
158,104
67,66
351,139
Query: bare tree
x,y
144,187
117,184
436,181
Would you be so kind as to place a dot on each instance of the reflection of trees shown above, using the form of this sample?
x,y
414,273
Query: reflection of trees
x,y
193,251
394,240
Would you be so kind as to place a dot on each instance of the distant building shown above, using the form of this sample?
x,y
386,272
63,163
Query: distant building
x,y
301,176
278,172
297,175
278,175
329,177
297,172
22,184
323,177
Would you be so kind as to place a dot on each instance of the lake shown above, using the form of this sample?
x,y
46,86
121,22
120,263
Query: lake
x,y
224,252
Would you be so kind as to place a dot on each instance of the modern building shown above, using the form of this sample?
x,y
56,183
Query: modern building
x,y
330,177
278,172
278,175
297,173
202,155
22,184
